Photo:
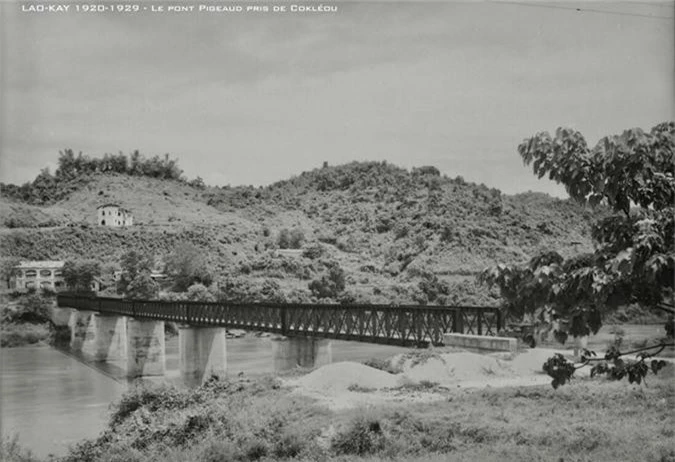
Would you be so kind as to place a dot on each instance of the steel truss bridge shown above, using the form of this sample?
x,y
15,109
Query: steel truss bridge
x,y
398,325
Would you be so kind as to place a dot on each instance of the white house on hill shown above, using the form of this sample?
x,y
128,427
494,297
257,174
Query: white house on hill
x,y
113,215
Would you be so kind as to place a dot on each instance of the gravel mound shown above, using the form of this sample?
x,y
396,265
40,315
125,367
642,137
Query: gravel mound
x,y
338,377
450,368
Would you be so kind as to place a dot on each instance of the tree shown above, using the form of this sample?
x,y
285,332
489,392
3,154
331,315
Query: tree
x,y
79,274
633,176
187,265
135,280
142,287
200,293
330,285
8,268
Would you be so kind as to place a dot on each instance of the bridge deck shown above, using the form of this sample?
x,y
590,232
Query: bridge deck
x,y
400,325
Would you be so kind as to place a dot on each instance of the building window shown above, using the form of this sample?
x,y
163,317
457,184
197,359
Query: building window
x,y
31,273
45,274
30,285
46,285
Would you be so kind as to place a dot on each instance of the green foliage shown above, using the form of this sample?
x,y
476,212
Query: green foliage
x,y
559,368
75,171
8,268
330,285
187,265
135,280
611,365
200,293
434,289
79,274
292,239
31,308
21,216
11,450
22,334
142,287
362,436
634,259
314,251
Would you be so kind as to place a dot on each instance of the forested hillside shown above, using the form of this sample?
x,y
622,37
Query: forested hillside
x,y
400,236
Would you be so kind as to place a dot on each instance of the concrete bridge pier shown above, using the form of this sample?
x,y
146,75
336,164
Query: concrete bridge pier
x,y
202,354
82,334
110,338
146,352
308,352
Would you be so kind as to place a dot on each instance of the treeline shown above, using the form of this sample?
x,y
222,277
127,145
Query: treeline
x,y
74,171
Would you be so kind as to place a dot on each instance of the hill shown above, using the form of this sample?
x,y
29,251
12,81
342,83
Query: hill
x,y
401,236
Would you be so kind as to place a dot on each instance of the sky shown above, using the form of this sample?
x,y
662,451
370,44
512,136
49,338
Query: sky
x,y
254,98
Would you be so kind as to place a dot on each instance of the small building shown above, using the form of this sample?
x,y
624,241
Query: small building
x,y
113,215
38,275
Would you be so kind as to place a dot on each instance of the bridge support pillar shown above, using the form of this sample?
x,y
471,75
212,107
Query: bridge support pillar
x,y
146,353
82,334
202,353
110,338
292,352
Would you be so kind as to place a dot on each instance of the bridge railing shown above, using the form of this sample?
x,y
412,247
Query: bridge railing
x,y
408,324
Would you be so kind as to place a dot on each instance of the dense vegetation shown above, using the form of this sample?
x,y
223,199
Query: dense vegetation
x,y
634,257
25,319
75,171
399,236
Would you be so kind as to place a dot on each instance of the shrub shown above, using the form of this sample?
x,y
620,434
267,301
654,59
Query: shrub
x,y
188,265
31,308
11,451
330,285
16,335
297,237
284,239
362,436
200,293
219,451
314,251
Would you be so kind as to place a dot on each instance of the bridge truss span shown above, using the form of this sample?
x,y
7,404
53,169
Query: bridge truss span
x,y
400,325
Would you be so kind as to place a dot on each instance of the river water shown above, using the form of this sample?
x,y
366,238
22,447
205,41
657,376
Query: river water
x,y
51,399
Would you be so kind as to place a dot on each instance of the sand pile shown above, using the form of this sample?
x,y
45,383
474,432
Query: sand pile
x,y
451,368
338,377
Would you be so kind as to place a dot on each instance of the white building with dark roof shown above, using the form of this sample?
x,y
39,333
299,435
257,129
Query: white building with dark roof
x,y
113,215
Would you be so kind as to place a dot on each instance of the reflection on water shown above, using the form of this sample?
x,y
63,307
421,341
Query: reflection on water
x,y
52,399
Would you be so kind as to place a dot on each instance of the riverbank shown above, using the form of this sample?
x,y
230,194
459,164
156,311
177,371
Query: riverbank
x,y
24,334
290,417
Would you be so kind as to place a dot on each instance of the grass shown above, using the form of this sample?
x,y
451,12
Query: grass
x,y
23,334
588,420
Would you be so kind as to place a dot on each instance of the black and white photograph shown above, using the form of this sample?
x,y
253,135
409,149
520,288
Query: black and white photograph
x,y
337,231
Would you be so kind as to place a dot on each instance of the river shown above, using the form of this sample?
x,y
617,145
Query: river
x,y
51,399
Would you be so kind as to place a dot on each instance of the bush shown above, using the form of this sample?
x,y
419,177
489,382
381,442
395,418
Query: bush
x,y
314,251
219,451
16,335
31,308
199,293
11,451
330,285
363,436
290,239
